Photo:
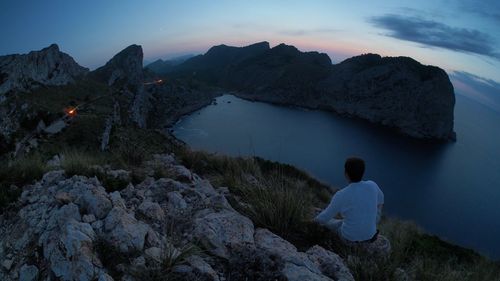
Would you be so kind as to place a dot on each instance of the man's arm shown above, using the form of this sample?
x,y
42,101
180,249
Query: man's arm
x,y
331,211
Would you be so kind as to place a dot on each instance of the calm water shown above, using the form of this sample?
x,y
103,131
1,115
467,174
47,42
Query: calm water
x,y
452,190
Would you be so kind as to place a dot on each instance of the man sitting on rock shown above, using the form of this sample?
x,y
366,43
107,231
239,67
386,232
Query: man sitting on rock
x,y
359,205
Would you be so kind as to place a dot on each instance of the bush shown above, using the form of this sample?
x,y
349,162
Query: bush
x,y
18,173
278,205
77,162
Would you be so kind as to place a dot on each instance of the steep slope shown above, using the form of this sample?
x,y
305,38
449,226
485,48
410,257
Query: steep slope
x,y
125,68
393,91
48,66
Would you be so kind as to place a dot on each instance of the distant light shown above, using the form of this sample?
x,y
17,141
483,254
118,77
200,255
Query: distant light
x,y
70,111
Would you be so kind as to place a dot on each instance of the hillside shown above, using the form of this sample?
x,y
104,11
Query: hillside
x,y
107,193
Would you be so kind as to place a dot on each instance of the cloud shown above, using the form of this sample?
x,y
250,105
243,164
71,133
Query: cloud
x,y
436,34
483,90
489,9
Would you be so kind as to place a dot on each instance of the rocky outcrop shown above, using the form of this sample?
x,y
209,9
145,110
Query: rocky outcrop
x,y
125,68
396,92
48,66
73,229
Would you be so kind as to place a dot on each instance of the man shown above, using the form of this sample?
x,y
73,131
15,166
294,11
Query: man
x,y
359,204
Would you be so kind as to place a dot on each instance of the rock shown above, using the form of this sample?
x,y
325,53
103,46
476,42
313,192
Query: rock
x,y
202,267
55,127
52,177
7,264
106,133
329,263
381,247
294,272
125,68
272,244
119,174
154,253
69,251
63,197
124,231
139,261
95,201
28,273
152,211
88,218
182,173
176,201
48,66
105,277
297,264
117,199
223,230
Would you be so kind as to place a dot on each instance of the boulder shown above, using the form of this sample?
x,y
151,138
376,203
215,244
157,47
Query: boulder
x,y
28,273
124,232
220,231
152,211
329,263
272,244
95,201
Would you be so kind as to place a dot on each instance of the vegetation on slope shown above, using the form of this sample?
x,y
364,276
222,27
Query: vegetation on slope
x,y
275,196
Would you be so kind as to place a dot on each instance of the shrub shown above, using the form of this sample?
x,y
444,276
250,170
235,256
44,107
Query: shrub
x,y
278,205
19,172
78,162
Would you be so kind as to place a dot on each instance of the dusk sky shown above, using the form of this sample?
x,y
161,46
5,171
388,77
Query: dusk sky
x,y
462,37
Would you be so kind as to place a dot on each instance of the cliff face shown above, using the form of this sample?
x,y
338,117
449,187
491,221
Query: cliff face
x,y
397,92
393,91
48,66
124,68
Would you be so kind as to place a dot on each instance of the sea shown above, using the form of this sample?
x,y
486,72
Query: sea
x,y
451,190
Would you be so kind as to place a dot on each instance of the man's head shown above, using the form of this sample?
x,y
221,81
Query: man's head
x,y
354,169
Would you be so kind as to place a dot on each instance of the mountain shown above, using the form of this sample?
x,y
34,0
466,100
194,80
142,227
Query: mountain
x,y
396,92
163,67
48,66
124,68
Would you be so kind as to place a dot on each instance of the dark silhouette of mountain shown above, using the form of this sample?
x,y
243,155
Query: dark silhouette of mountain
x,y
397,92
124,68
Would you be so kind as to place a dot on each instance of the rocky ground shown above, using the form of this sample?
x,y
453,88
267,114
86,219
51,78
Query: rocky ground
x,y
71,228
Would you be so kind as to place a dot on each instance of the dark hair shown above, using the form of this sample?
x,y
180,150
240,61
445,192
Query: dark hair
x,y
354,168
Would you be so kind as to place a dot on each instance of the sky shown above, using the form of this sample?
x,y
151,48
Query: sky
x,y
460,36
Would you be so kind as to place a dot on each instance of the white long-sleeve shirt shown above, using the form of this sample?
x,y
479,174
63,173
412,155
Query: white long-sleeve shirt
x,y
358,204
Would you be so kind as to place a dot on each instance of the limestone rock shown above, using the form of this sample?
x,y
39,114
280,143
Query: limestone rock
x,y
330,264
48,66
95,201
220,231
124,68
124,231
152,210
294,272
202,267
28,273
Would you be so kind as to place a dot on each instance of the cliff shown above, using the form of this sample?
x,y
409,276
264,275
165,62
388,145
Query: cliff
x,y
396,92
48,66
124,68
